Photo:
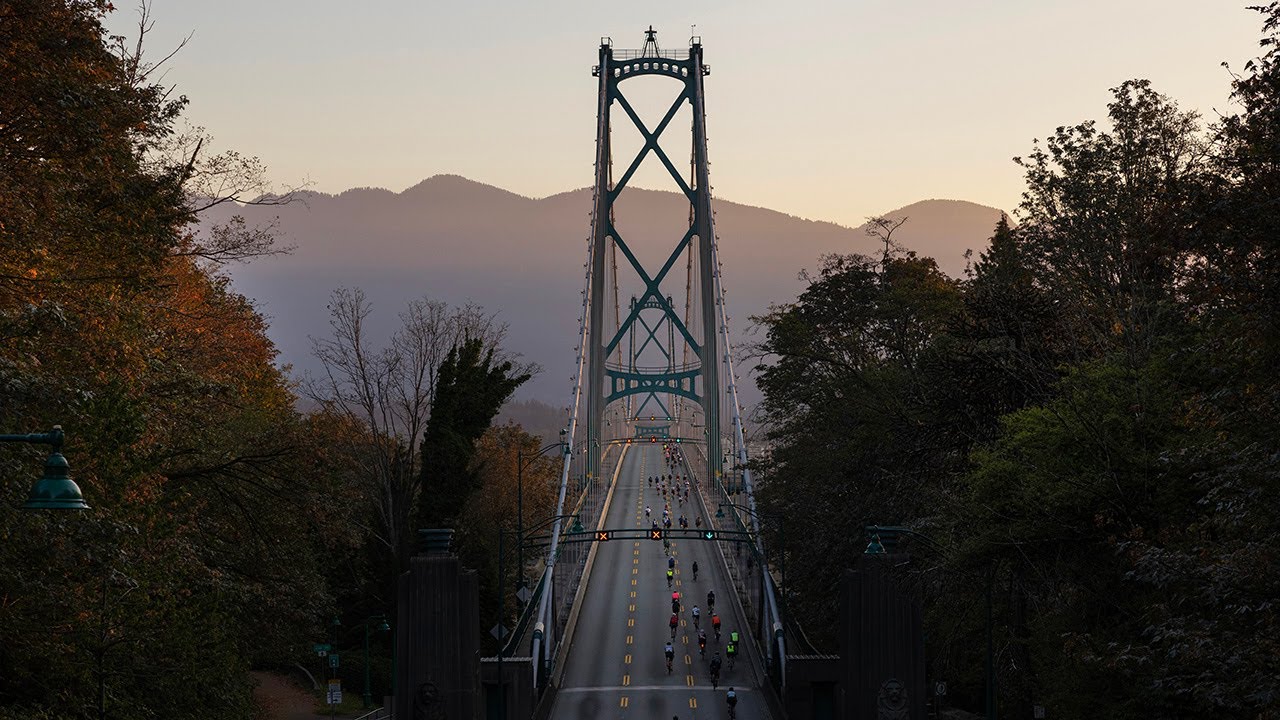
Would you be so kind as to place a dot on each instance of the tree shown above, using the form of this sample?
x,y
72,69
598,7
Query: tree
x,y
470,390
390,391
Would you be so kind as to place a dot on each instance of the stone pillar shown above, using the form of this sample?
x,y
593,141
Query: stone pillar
x,y
882,643
437,635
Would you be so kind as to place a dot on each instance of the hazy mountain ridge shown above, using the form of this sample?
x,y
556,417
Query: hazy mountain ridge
x,y
455,239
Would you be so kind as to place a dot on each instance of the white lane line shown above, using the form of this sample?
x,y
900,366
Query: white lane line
x,y
648,688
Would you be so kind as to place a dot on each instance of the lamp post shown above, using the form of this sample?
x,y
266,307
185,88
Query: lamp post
x,y
782,540
383,627
337,623
520,465
502,600
55,490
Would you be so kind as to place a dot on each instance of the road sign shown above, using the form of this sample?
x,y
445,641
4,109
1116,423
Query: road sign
x,y
602,535
498,631
321,649
708,534
333,660
655,534
523,595
940,688
335,692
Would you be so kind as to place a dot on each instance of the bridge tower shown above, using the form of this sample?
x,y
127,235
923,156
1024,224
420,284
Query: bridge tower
x,y
684,385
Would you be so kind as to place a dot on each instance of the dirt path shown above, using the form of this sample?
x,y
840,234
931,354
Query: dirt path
x,y
283,699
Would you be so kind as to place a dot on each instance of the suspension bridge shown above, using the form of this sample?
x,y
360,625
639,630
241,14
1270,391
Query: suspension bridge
x,y
654,370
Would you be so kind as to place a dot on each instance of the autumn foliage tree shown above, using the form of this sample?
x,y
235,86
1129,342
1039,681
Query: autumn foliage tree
x,y
197,558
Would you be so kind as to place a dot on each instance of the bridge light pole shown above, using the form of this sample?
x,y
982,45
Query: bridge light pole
x,y
520,465
782,540
382,627
55,490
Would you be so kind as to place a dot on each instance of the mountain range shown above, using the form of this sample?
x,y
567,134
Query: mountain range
x,y
453,239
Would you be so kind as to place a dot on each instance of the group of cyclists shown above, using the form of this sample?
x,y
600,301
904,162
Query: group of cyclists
x,y
671,483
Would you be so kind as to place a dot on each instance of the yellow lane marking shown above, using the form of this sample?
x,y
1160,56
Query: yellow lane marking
x,y
688,680
633,607
633,581
693,702
626,680
633,593
635,571
623,701
629,639
631,622
688,660
628,659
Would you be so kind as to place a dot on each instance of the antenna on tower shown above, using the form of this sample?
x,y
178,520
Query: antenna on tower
x,y
650,48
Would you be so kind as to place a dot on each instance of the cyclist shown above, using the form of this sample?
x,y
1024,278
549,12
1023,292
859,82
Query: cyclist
x,y
670,576
670,653
675,621
702,642
671,562
711,600
696,614
715,671
733,637
731,698
695,569
675,605
731,651
715,625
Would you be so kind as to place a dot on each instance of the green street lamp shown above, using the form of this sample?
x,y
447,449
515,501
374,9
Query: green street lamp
x,y
55,490
874,547
382,627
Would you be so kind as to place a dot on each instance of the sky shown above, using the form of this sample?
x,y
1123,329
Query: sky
x,y
827,110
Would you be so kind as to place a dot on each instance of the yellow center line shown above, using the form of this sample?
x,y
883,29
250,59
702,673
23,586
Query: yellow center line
x,y
629,639
693,702
623,701
628,659
626,680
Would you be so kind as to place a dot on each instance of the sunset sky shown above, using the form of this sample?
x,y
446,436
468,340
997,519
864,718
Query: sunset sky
x,y
830,110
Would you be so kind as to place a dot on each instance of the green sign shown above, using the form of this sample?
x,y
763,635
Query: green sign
x,y
321,649
333,660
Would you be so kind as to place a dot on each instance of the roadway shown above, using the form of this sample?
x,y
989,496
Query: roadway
x,y
616,667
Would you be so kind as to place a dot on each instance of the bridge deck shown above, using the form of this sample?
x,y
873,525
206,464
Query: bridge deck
x,y
615,666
